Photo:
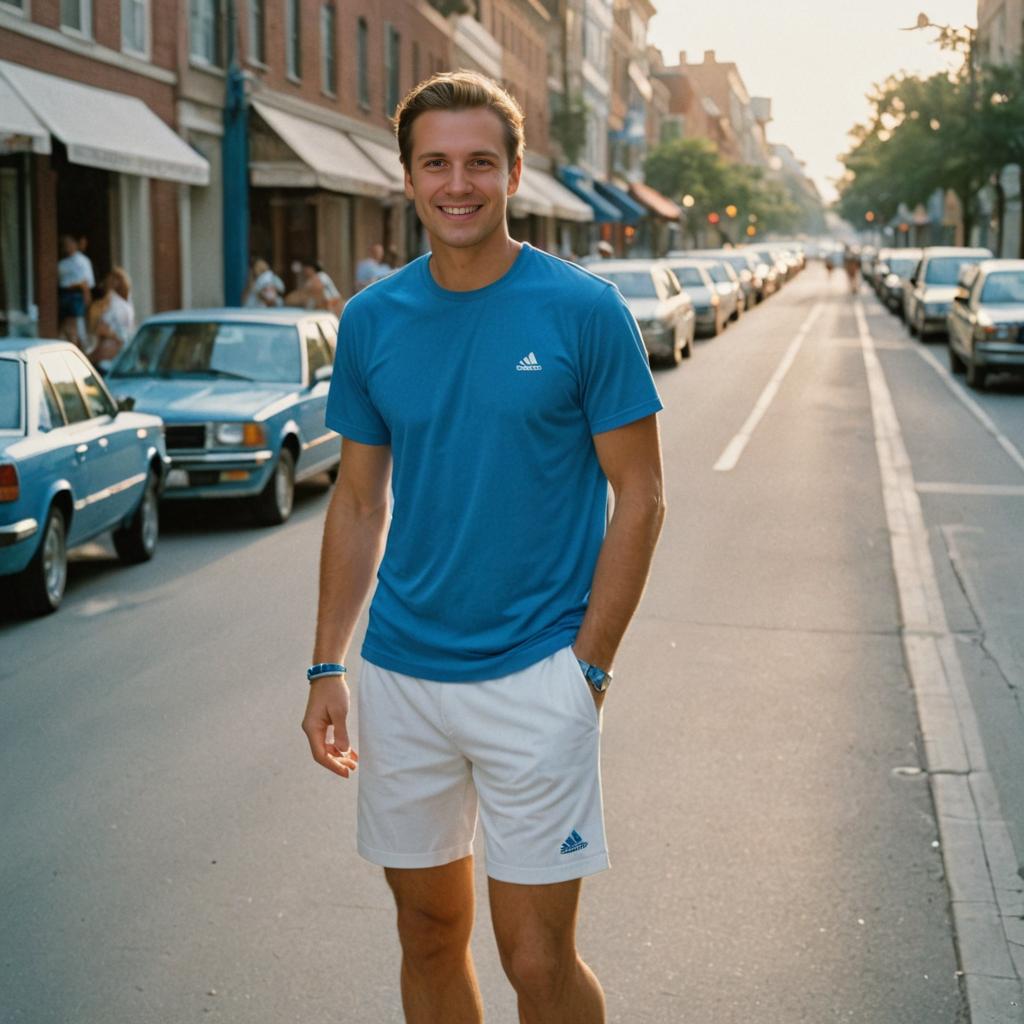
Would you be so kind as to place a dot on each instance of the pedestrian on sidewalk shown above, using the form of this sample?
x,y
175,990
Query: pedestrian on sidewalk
x,y
265,288
373,267
316,290
501,600
75,282
115,322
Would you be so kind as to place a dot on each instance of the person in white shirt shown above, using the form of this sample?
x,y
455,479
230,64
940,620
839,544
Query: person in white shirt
x,y
75,282
265,287
316,290
116,323
373,268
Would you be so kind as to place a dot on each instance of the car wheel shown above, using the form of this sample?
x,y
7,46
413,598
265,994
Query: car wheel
x,y
274,504
976,375
136,542
956,364
40,587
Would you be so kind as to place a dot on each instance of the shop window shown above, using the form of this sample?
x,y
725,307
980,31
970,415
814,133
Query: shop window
x,y
328,49
392,68
257,31
135,26
76,15
292,40
14,5
204,29
363,61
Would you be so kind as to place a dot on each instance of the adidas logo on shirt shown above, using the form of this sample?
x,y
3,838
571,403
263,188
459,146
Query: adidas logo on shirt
x,y
574,842
529,363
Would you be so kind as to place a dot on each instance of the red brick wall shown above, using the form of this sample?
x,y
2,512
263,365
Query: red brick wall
x,y
434,52
44,220
163,201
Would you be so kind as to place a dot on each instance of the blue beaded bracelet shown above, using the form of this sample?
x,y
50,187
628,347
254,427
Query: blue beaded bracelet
x,y
325,668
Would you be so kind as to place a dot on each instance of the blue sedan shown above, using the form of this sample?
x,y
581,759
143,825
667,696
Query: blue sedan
x,y
73,464
242,394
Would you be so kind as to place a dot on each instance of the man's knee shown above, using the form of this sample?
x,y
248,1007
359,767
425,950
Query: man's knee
x,y
433,927
537,967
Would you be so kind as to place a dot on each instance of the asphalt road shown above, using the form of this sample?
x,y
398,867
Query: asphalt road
x,y
168,851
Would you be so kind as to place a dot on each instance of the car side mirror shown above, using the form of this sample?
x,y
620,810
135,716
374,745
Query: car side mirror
x,y
321,374
125,404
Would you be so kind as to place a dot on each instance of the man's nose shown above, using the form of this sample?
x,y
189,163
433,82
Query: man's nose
x,y
459,182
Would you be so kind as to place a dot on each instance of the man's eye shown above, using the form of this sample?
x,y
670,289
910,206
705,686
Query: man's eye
x,y
433,163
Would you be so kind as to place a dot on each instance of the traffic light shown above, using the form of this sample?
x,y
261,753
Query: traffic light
x,y
713,218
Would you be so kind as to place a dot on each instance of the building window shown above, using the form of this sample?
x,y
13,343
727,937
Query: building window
x,y
328,49
204,31
257,32
134,28
76,15
392,68
362,61
292,39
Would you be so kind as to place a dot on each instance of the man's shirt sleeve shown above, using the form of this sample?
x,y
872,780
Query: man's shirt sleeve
x,y
350,411
616,386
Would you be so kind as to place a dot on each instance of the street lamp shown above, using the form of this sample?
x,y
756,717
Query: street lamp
x,y
731,211
688,201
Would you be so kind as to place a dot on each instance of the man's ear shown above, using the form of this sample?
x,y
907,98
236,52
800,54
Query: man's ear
x,y
409,193
514,174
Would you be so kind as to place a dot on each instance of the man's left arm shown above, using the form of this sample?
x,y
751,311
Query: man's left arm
x,y
630,457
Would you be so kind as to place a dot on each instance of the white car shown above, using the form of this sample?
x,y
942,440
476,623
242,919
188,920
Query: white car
x,y
928,295
663,311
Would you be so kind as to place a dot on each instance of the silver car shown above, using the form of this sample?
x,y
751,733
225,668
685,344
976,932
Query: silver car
x,y
663,311
986,321
746,267
929,292
893,268
696,282
727,284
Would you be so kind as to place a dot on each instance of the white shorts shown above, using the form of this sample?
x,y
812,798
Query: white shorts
x,y
525,747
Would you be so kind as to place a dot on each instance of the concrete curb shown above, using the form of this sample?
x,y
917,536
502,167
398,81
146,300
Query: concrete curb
x,y
981,866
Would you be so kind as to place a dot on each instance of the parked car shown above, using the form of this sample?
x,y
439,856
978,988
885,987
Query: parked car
x,y
73,464
986,321
695,280
774,271
929,291
746,267
663,311
727,284
242,394
892,271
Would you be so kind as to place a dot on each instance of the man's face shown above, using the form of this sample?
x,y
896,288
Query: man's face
x,y
377,252
459,178
68,245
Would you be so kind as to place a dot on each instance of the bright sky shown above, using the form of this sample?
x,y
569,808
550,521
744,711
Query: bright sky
x,y
816,59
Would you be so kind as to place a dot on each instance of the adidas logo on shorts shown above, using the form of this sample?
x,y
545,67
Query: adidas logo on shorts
x,y
574,842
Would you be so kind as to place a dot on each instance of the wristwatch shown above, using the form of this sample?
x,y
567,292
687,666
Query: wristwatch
x,y
597,677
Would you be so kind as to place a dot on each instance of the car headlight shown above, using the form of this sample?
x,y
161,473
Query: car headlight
x,y
239,435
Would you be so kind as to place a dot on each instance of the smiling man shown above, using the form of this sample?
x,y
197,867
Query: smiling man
x,y
498,390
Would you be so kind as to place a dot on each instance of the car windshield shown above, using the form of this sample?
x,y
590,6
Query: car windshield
x,y
944,269
688,277
738,263
10,394
238,351
634,284
1006,286
902,267
717,273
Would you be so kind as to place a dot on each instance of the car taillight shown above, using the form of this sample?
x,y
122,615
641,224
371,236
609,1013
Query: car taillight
x,y
10,488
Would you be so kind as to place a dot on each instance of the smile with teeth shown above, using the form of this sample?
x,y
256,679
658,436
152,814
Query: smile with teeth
x,y
459,211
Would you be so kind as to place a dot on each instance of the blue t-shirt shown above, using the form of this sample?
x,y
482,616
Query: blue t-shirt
x,y
488,399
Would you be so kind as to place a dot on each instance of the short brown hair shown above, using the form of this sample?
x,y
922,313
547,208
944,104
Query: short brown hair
x,y
459,90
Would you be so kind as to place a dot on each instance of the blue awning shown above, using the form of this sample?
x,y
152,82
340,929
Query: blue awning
x,y
576,181
632,211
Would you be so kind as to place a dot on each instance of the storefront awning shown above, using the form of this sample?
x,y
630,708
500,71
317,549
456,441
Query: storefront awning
x,y
386,158
20,130
582,186
659,205
528,199
105,129
632,211
327,158
564,204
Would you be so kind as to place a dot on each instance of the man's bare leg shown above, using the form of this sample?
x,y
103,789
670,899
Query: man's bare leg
x,y
435,921
535,926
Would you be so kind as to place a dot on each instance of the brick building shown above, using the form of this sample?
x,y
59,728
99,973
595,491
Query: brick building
x,y
87,117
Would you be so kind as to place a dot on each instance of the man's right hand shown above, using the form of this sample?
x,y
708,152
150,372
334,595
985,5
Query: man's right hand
x,y
325,725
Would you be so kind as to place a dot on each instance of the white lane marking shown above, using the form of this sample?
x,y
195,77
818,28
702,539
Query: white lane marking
x,y
995,490
977,848
734,449
972,406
